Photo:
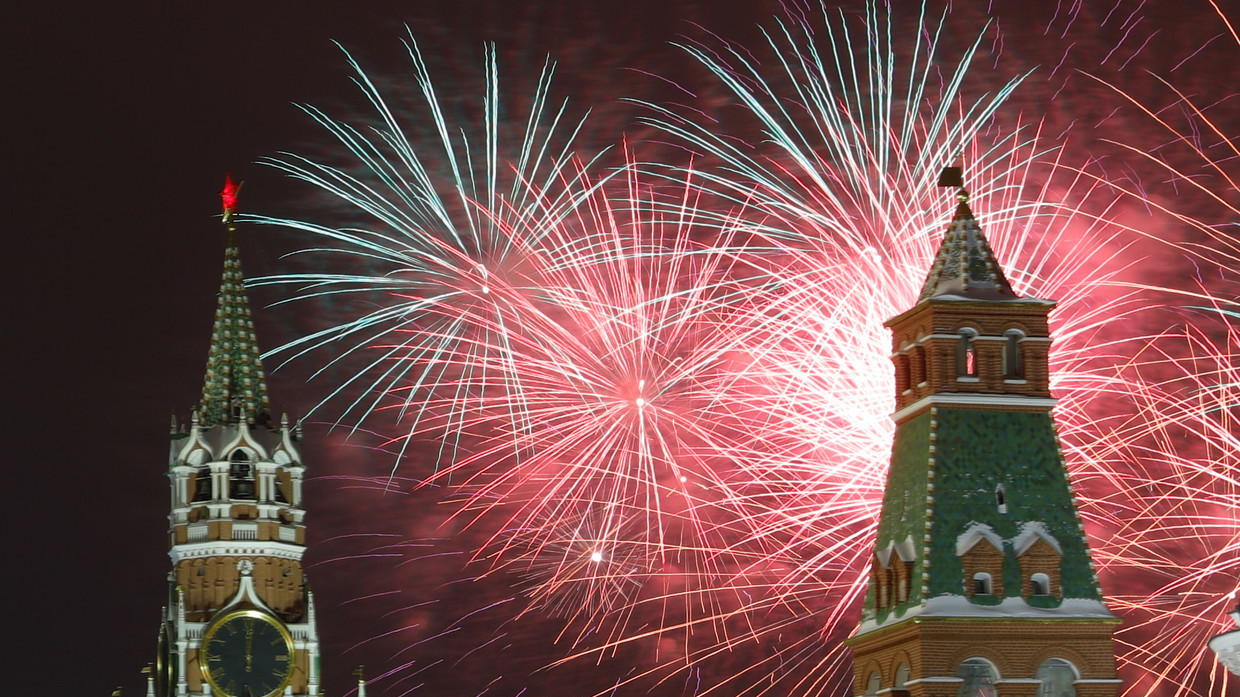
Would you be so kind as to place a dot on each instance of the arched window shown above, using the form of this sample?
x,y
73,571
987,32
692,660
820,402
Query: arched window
x,y
1013,361
917,366
202,484
1001,498
981,583
1057,676
873,685
901,675
966,354
902,373
979,678
1040,584
241,476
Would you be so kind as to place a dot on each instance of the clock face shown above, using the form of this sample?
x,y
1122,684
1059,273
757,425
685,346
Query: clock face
x,y
247,653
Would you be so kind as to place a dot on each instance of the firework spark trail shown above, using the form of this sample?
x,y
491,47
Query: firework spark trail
x,y
1209,177
692,379
849,234
846,184
554,335
540,339
428,230
620,382
1177,548
844,242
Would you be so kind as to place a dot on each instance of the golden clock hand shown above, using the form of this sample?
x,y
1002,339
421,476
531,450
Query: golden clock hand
x,y
249,645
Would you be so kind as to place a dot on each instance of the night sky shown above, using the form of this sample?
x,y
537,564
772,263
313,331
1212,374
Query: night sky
x,y
121,122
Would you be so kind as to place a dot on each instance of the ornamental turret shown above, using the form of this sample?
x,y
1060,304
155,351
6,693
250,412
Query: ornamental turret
x,y
981,582
236,526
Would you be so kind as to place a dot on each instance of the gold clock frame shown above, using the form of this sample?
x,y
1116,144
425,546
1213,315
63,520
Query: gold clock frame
x,y
165,660
222,620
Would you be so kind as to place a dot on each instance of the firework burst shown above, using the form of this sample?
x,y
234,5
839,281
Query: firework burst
x,y
429,243
1176,546
552,341
659,396
1177,550
845,180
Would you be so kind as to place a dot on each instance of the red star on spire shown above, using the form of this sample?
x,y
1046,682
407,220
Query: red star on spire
x,y
229,196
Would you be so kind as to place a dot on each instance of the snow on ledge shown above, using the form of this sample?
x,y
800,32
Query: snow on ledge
x,y
1011,608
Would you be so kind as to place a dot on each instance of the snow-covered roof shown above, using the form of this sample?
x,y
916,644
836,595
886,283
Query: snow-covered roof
x,y
1009,608
1031,532
903,549
974,533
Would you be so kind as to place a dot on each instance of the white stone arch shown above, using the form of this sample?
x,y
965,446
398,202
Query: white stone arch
x,y
1057,677
871,677
966,353
978,677
873,683
902,674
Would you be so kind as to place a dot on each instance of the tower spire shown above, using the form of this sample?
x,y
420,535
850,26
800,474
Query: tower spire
x,y
965,266
981,581
235,387
241,618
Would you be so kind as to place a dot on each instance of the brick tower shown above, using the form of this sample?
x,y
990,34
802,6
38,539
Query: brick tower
x,y
981,583
240,618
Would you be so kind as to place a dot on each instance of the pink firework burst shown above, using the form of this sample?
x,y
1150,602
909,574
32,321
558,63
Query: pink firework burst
x,y
657,398
845,182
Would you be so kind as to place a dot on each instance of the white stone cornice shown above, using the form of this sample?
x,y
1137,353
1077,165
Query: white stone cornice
x,y
970,399
985,337
958,607
925,339
234,548
933,678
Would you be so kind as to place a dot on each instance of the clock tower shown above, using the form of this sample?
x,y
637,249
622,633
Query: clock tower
x,y
240,618
981,582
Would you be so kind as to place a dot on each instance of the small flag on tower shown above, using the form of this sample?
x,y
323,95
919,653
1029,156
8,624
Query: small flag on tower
x,y
954,175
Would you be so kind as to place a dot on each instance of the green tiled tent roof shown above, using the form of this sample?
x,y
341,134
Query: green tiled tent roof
x,y
946,467
234,367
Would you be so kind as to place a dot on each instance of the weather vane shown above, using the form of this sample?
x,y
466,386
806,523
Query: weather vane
x,y
953,175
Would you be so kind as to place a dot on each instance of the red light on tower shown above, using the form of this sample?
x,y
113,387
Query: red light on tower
x,y
229,196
